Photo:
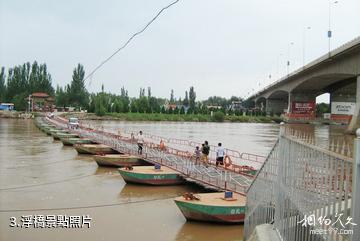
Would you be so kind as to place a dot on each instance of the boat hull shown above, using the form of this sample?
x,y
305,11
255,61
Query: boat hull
x,y
151,179
58,136
118,160
208,213
73,141
49,130
94,150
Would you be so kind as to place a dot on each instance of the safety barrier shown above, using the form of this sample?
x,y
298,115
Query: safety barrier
x,y
179,160
304,190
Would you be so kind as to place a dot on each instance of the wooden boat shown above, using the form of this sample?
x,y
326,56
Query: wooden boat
x,y
62,134
118,160
72,141
151,176
42,126
50,130
212,207
94,149
55,130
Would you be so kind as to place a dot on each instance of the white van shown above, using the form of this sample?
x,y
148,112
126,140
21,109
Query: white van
x,y
73,123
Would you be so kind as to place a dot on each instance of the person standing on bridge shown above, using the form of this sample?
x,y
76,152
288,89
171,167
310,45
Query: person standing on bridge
x,y
197,154
140,142
220,153
205,151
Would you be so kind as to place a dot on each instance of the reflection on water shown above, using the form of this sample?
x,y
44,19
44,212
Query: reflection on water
x,y
135,192
39,173
332,137
196,231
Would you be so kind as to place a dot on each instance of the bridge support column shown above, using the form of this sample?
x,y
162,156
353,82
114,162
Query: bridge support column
x,y
355,121
276,106
289,103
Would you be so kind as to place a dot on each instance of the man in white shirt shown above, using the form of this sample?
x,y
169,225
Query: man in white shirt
x,y
140,142
220,153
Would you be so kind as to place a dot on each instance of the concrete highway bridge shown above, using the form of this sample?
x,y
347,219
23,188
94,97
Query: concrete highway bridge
x,y
336,73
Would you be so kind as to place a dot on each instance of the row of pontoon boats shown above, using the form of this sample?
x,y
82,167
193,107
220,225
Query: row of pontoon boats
x,y
224,207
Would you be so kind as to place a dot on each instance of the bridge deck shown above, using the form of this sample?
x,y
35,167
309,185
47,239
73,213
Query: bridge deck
x,y
232,178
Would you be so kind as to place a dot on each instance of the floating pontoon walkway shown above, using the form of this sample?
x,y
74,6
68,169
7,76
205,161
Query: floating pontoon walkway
x,y
234,177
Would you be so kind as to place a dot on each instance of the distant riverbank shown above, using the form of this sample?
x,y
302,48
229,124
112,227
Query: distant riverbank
x,y
174,117
15,114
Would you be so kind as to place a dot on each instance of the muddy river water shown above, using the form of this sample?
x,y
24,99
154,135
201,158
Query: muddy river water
x,y
39,176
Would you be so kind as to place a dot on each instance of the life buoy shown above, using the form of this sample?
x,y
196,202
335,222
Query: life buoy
x,y
227,161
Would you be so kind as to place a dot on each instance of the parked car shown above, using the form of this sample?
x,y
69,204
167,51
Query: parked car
x,y
73,123
50,115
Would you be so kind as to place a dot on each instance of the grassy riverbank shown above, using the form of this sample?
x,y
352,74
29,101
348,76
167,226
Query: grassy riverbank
x,y
15,114
175,117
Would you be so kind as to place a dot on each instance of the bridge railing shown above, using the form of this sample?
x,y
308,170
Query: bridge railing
x,y
306,192
178,160
237,157
244,163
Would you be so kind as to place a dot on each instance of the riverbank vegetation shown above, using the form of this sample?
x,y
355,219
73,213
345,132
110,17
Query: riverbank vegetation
x,y
22,80
174,117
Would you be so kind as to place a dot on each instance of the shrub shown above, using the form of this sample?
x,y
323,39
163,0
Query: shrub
x,y
218,116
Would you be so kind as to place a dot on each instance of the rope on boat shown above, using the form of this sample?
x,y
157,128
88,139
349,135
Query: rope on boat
x,y
47,183
90,206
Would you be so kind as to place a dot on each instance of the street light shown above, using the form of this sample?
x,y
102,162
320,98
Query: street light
x,y
304,43
329,33
288,61
277,68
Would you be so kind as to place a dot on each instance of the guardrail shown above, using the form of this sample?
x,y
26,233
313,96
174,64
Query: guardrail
x,y
189,145
306,192
179,160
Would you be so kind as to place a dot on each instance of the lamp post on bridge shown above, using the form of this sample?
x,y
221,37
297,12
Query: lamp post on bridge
x,y
278,63
288,61
304,43
329,33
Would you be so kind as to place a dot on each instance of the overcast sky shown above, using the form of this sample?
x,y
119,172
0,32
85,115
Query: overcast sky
x,y
221,47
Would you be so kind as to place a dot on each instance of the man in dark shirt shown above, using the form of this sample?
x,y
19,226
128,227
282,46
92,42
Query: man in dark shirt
x,y
205,151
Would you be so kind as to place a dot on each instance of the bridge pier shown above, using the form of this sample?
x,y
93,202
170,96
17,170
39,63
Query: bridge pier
x,y
355,120
276,106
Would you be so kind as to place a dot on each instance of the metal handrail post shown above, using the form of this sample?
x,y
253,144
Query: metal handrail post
x,y
355,200
278,192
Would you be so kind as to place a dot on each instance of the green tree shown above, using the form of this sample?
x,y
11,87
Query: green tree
x,y
2,85
182,110
163,111
100,103
192,98
133,106
125,100
38,78
61,97
78,95
218,116
172,100
154,105
149,92
142,104
322,108
20,101
119,106
186,99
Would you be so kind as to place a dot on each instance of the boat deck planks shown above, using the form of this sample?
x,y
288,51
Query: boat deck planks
x,y
216,199
151,170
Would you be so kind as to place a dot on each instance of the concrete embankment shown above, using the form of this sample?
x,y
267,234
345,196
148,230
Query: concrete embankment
x,y
264,232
